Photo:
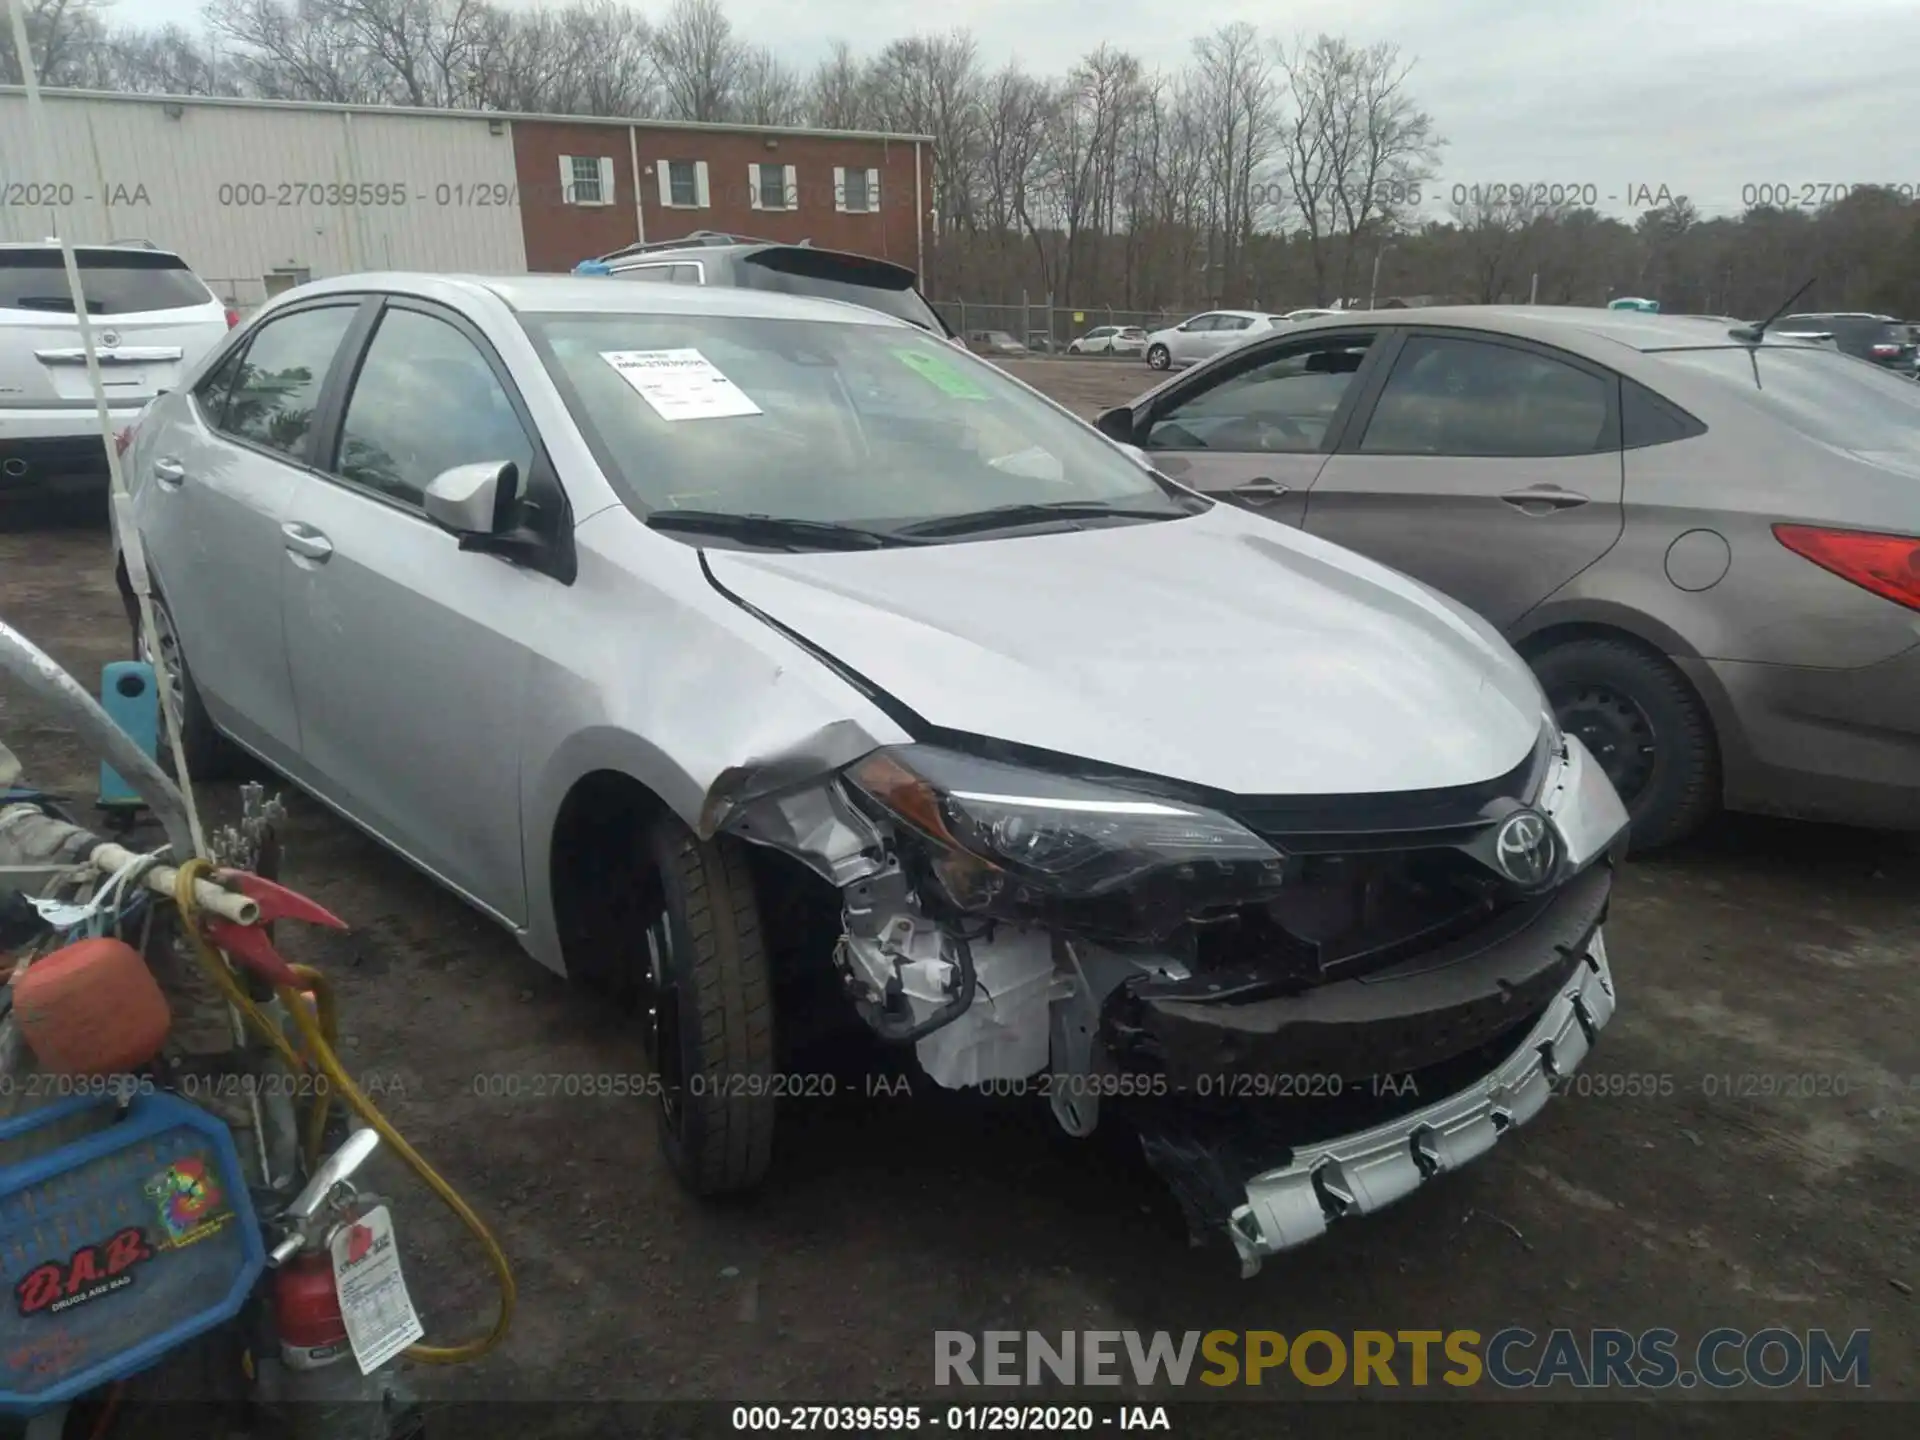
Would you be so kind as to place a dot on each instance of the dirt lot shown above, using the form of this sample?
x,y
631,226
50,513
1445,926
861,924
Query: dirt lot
x,y
1768,959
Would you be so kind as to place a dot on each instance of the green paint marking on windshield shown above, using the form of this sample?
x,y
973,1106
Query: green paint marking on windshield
x,y
950,379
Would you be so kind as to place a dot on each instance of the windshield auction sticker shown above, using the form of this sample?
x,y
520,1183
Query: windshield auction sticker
x,y
680,384
949,379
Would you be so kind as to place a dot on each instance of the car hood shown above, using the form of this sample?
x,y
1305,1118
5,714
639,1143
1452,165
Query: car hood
x,y
1219,649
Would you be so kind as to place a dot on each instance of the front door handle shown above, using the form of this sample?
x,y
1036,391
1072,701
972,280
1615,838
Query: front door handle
x,y
1543,499
170,473
306,542
1261,489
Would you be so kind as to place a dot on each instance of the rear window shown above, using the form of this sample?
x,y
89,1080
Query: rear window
x,y
113,282
1833,398
825,276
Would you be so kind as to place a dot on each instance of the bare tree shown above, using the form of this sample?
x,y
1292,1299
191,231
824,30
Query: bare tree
x,y
296,50
1233,97
1356,150
931,85
701,61
65,35
840,94
769,92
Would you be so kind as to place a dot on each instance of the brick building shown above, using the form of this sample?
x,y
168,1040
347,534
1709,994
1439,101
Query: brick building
x,y
259,195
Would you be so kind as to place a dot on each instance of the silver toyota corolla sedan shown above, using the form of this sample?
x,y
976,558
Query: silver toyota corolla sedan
x,y
1707,545
718,642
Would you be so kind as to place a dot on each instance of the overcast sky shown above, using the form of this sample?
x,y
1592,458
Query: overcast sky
x,y
1705,97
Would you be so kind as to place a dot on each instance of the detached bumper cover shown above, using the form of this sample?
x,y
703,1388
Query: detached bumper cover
x,y
1367,1171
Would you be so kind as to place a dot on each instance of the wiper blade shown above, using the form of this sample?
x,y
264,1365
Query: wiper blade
x,y
1001,516
774,530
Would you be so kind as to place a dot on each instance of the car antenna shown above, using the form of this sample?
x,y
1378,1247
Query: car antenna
x,y
1755,333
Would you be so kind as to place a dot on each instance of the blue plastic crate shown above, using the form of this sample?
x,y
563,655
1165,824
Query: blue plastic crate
x,y
119,1247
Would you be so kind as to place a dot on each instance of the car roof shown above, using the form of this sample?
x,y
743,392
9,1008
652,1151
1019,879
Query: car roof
x,y
603,294
1582,329
120,247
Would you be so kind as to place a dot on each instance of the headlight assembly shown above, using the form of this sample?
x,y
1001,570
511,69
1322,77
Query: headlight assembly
x,y
995,829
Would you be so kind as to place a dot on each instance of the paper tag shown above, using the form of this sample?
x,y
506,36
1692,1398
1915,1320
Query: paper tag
x,y
680,384
373,1293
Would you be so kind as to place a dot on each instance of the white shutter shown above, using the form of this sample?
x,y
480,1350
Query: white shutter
x,y
663,172
793,187
700,183
873,189
840,188
606,180
753,187
566,180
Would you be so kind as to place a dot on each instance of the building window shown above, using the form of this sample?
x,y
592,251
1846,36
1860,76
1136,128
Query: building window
x,y
774,187
586,180
683,184
856,192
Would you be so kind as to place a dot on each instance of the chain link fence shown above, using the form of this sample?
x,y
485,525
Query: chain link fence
x,y
1048,328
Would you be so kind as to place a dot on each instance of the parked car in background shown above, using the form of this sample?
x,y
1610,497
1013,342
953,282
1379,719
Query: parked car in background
x,y
1110,340
1204,336
709,257
783,641
152,319
1879,338
1708,546
995,342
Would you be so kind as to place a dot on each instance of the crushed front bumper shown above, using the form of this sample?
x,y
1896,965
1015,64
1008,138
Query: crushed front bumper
x,y
1363,1172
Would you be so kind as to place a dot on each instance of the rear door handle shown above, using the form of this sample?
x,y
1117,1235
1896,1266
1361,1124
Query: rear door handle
x,y
1262,488
170,473
1543,499
307,542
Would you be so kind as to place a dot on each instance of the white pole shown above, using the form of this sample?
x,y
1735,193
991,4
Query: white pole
x,y
128,532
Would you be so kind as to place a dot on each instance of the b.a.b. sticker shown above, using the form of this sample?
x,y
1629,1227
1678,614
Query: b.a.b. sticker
x,y
54,1287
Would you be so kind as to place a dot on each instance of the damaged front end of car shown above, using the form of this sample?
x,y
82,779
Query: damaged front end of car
x,y
1306,1007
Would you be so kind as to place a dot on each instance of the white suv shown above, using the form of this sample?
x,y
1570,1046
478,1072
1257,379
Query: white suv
x,y
152,319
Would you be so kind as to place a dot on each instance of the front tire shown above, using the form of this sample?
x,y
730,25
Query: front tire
x,y
1645,725
708,1006
1159,357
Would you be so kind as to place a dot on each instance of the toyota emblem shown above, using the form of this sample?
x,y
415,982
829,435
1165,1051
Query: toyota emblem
x,y
109,338
1524,848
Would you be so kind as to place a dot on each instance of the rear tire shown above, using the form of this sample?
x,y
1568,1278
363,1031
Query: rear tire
x,y
1159,357
710,995
1645,725
209,754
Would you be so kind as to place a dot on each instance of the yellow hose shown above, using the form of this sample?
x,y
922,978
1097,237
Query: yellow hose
x,y
321,1050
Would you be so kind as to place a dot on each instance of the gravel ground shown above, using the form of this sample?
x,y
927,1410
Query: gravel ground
x,y
1736,1193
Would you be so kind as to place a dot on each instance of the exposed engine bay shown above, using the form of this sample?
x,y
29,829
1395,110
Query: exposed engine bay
x,y
1142,943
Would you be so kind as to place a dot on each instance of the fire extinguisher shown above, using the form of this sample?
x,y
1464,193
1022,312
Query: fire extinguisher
x,y
306,1313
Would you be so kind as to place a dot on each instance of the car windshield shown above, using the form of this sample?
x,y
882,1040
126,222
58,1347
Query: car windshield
x,y
869,425
113,282
1833,398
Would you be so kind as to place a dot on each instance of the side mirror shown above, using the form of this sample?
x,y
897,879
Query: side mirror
x,y
1116,424
472,499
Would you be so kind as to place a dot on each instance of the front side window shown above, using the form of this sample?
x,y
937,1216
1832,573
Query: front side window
x,y
1468,397
847,423
278,382
425,401
1199,323
1286,403
1827,396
